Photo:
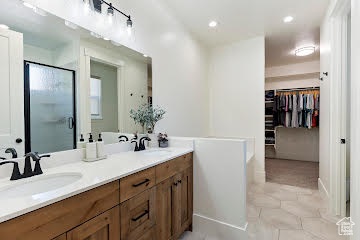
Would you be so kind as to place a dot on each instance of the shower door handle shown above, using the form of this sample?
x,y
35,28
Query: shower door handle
x,y
71,122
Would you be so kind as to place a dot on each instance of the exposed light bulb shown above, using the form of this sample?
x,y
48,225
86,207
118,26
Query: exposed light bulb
x,y
3,26
87,7
129,26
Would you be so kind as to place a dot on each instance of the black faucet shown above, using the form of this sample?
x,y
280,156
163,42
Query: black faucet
x,y
28,172
16,172
142,144
122,140
12,151
136,146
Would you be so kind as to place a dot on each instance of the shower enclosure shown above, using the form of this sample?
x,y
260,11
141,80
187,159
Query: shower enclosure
x,y
50,122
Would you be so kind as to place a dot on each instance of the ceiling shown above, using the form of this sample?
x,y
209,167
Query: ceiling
x,y
244,19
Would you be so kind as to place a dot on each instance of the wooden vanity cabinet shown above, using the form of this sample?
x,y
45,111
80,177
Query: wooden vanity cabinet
x,y
103,227
174,205
154,204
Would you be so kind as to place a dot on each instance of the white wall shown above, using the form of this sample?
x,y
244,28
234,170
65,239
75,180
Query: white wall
x,y
324,134
39,55
236,78
220,209
355,116
293,69
179,62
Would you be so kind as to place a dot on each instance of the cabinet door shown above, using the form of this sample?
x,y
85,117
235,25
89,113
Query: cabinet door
x,y
106,226
138,215
186,186
61,237
164,213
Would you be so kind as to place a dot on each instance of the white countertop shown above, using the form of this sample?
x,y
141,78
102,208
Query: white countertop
x,y
94,174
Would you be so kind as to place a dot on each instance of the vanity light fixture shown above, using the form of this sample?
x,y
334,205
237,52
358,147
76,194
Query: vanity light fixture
x,y
213,24
111,12
3,26
288,19
304,51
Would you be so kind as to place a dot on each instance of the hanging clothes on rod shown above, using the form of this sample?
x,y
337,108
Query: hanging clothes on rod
x,y
295,108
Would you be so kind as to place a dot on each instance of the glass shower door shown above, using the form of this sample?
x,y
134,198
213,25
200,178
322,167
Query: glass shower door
x,y
49,108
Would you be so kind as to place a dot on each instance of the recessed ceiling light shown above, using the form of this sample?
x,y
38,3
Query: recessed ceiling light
x,y
145,55
213,24
106,39
304,51
3,26
288,19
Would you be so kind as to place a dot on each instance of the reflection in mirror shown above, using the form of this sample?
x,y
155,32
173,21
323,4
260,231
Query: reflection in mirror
x,y
72,82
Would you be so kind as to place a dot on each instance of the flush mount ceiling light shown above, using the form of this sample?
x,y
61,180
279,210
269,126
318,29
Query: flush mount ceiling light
x,y
3,26
304,51
288,19
213,24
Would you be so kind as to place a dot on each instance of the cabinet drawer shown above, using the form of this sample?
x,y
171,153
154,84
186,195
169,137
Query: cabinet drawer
x,y
138,215
136,183
172,167
58,218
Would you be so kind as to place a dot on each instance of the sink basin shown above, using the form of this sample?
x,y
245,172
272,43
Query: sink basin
x,y
156,152
39,185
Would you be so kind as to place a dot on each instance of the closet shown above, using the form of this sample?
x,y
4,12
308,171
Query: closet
x,y
292,123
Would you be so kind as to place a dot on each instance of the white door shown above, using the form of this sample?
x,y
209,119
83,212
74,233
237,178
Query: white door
x,y
11,92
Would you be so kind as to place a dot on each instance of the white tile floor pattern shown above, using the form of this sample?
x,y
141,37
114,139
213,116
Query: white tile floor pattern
x,y
281,212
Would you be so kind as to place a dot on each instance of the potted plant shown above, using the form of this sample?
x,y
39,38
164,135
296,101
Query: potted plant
x,y
163,141
147,116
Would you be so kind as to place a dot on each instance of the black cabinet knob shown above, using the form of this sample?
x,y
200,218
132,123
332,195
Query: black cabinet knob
x,y
18,140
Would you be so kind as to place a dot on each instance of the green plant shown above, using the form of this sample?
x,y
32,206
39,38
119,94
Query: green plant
x,y
147,116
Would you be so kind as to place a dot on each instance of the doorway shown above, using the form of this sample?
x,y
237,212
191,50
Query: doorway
x,y
50,119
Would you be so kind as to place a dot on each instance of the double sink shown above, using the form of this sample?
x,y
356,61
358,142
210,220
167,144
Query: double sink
x,y
45,184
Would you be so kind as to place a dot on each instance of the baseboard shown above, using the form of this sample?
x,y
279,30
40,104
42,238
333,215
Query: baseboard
x,y
217,229
260,176
324,193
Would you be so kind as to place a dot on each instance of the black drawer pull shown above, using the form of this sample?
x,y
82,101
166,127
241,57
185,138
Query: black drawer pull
x,y
137,218
179,181
139,184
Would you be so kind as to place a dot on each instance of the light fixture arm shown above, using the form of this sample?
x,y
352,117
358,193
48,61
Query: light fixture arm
x,y
110,5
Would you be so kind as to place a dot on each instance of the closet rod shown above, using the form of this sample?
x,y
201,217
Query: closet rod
x,y
298,89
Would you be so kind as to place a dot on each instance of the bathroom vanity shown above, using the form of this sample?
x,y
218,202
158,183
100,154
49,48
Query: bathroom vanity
x,y
149,199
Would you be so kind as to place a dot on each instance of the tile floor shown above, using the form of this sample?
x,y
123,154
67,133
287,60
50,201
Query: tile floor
x,y
283,212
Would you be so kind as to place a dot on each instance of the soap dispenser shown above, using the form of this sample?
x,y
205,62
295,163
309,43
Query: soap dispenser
x,y
81,143
91,148
100,147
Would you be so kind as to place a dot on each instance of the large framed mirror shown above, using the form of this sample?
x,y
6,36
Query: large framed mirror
x,y
60,81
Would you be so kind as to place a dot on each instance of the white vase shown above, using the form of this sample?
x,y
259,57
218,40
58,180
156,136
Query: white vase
x,y
154,141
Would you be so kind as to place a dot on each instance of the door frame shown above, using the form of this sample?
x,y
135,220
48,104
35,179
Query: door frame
x,y
27,108
338,76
